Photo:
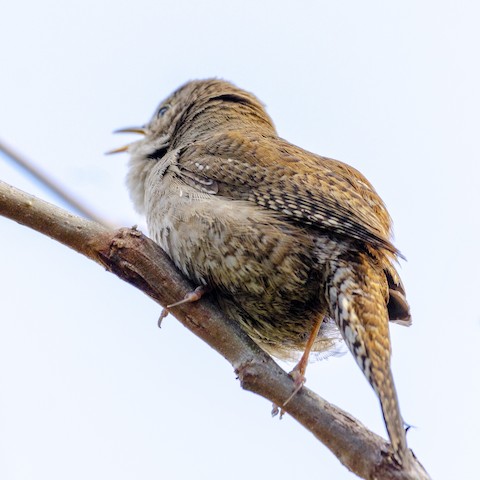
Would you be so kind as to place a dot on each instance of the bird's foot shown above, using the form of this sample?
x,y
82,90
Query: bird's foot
x,y
190,297
299,379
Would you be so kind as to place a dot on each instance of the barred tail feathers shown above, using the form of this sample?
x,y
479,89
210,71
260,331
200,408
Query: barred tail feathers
x,y
357,291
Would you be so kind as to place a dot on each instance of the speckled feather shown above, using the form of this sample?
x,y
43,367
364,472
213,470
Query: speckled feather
x,y
284,238
302,186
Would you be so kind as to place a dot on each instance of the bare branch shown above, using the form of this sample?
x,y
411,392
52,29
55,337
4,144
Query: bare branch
x,y
139,261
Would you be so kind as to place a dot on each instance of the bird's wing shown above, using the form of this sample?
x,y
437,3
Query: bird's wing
x,y
305,188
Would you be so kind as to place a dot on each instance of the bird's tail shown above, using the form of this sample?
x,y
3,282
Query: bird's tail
x,y
357,291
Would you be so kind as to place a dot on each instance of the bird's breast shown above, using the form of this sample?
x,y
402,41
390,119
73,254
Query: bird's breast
x,y
232,245
265,272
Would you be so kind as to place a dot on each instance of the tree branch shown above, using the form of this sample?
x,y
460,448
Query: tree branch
x,y
139,261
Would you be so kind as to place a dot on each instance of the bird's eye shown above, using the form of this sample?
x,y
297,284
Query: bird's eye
x,y
161,112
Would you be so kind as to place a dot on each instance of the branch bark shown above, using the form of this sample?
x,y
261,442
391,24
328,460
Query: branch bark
x,y
142,263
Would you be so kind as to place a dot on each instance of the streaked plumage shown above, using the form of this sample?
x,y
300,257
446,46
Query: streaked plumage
x,y
284,238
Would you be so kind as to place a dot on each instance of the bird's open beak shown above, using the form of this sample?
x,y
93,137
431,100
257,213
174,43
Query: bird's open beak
x,y
139,130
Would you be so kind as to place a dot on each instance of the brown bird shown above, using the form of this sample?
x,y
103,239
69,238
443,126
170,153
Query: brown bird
x,y
294,246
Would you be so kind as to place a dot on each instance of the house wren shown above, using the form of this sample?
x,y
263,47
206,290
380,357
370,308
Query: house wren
x,y
294,246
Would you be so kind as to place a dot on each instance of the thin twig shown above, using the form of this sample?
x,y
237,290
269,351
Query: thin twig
x,y
51,184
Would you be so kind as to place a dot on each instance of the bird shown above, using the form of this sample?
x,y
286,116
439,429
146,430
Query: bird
x,y
294,246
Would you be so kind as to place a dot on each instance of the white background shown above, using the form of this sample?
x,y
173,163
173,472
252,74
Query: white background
x,y
89,387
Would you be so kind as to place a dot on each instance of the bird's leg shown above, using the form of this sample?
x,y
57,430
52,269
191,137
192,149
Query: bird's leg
x,y
190,297
298,372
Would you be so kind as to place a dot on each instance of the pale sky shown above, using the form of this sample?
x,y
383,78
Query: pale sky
x,y
89,386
